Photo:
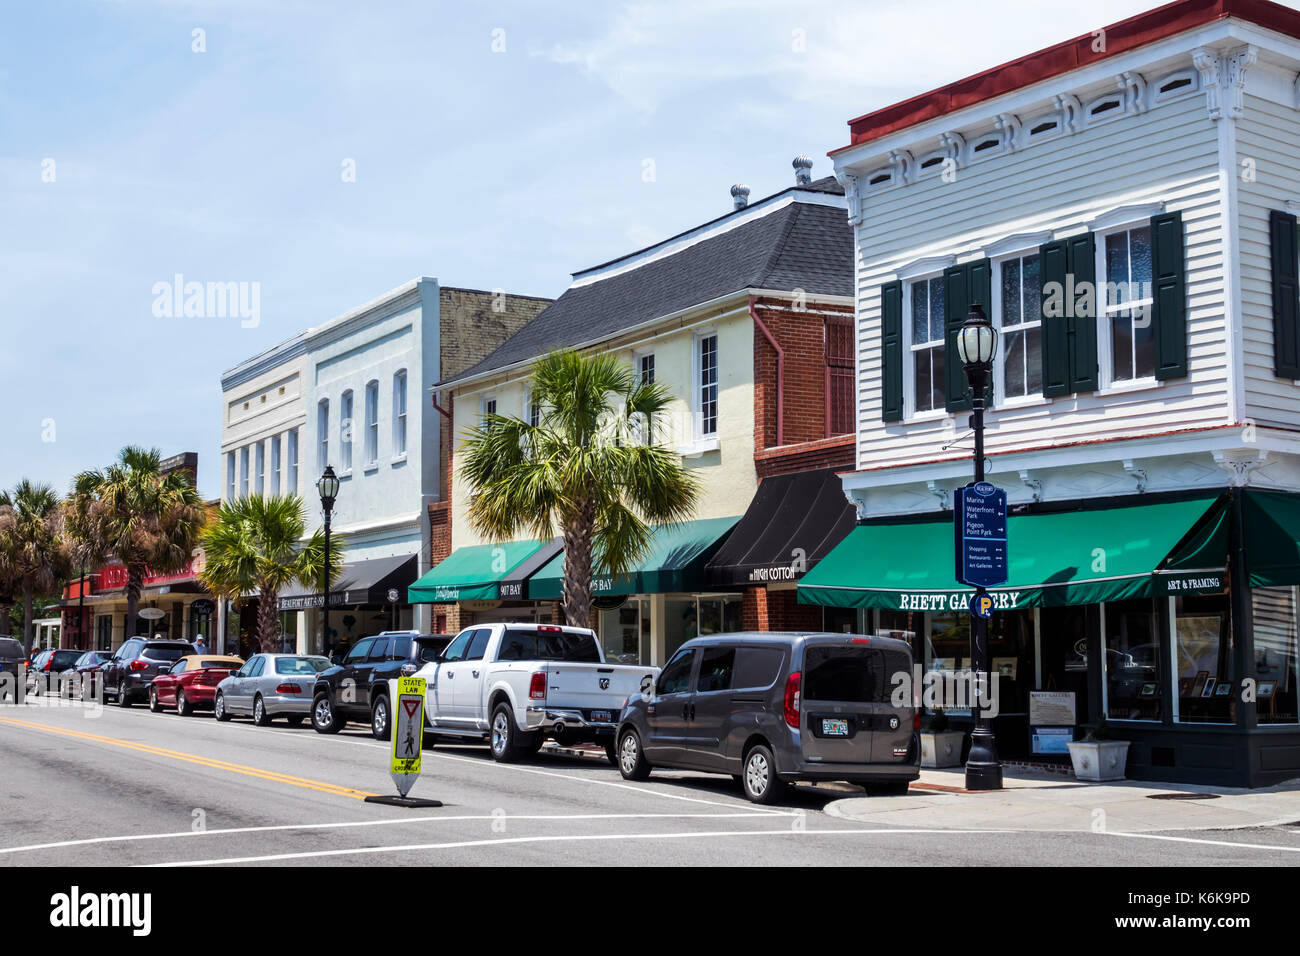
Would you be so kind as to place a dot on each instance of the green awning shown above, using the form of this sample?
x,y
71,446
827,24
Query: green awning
x,y
675,563
1074,557
472,573
1272,521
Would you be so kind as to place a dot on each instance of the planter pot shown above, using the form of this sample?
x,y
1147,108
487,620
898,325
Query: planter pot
x,y
942,749
1099,759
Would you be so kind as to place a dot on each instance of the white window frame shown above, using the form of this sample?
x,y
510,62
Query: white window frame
x,y
259,468
972,156
1000,397
910,412
347,431
697,385
1105,358
275,464
1053,116
1191,89
1110,114
638,363
322,434
243,472
487,405
372,423
399,414
230,476
291,452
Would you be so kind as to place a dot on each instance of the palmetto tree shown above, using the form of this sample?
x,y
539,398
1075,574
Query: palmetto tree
x,y
256,545
148,520
589,468
35,558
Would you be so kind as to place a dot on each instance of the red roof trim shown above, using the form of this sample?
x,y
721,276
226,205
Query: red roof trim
x,y
1136,31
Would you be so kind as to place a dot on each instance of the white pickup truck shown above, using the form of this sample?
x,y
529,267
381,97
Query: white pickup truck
x,y
515,685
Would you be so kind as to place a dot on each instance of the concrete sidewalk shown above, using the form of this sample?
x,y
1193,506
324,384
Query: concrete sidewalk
x,y
1037,800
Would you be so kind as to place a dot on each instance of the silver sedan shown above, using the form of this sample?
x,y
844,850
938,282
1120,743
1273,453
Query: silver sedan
x,y
269,685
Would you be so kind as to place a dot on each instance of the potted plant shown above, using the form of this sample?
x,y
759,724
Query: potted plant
x,y
1097,757
940,747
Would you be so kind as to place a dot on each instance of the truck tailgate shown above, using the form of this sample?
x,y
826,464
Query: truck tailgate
x,y
594,686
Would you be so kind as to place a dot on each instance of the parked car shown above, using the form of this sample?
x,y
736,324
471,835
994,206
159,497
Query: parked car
x,y
127,676
86,670
13,662
515,685
46,667
191,683
357,689
269,685
770,709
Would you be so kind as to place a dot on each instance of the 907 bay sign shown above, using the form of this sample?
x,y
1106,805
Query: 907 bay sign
x,y
980,527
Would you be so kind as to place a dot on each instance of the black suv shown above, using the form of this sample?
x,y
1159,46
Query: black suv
x,y
127,676
357,689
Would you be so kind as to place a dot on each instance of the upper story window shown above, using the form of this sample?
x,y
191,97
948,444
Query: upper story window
x,y
706,384
925,299
345,430
291,452
230,476
646,367
372,422
243,472
399,413
275,464
1125,305
840,391
323,432
1018,313
260,459
487,406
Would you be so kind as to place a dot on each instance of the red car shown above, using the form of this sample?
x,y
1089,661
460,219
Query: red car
x,y
191,682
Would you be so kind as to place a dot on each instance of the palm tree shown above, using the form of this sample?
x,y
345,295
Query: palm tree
x,y
589,467
31,539
256,545
148,520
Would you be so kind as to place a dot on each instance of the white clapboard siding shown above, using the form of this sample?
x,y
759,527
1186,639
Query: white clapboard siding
x,y
1268,134
1168,154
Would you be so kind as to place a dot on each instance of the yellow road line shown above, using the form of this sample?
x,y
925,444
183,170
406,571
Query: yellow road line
x,y
210,762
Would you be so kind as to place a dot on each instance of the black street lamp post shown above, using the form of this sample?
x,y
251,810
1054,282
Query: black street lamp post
x,y
977,342
328,487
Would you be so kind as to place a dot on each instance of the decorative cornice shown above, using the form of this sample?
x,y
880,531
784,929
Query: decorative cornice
x,y
1238,62
1009,123
1034,485
1224,78
1239,466
940,492
1071,112
852,196
1134,87
1139,475
904,164
954,147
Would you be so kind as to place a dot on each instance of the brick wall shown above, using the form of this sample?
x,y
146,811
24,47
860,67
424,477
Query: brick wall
x,y
801,333
764,610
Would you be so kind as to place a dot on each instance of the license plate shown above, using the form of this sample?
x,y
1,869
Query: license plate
x,y
602,715
835,727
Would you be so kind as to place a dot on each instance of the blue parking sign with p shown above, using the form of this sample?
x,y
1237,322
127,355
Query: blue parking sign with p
x,y
981,605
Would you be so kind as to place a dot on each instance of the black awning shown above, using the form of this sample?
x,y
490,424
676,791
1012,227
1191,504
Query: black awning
x,y
793,522
513,586
362,582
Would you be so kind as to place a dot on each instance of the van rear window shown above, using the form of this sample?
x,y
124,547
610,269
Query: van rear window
x,y
852,674
521,645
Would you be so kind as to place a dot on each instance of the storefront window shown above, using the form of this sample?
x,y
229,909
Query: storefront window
x,y
289,631
1274,618
104,632
1202,637
679,623
898,624
947,647
620,633
1132,661
844,620
720,615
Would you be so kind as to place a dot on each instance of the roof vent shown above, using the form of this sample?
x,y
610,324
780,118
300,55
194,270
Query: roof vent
x,y
802,170
740,195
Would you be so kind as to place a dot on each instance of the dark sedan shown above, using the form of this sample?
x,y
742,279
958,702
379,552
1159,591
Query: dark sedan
x,y
127,676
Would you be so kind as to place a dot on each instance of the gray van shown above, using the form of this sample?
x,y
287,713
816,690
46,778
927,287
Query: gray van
x,y
769,709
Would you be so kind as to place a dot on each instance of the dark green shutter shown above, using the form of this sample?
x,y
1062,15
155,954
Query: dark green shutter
x,y
964,285
891,352
956,297
1286,294
1169,293
1053,268
1081,314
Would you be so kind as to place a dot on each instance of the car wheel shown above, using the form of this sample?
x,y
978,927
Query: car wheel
x,y
183,706
631,760
503,740
380,727
759,778
123,698
261,716
219,708
295,720
154,706
323,716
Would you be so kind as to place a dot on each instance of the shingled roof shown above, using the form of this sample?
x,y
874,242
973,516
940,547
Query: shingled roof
x,y
803,242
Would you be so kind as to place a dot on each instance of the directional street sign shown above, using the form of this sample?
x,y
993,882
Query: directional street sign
x,y
408,732
980,529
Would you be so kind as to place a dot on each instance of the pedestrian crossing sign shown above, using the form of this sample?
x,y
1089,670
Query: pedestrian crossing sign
x,y
408,732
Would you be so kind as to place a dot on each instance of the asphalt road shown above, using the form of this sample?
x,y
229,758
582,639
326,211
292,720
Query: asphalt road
x,y
128,787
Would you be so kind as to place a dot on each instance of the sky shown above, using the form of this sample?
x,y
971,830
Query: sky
x,y
322,153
